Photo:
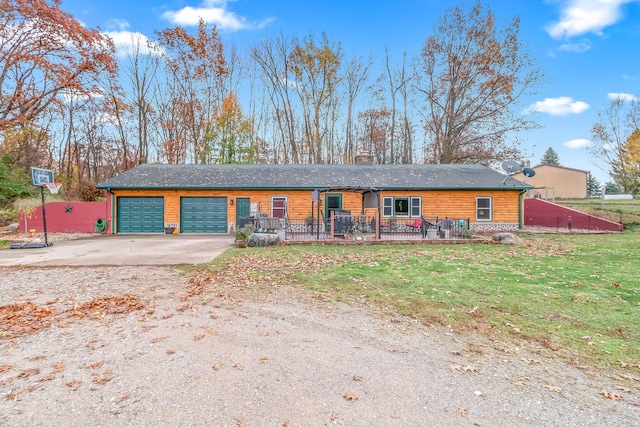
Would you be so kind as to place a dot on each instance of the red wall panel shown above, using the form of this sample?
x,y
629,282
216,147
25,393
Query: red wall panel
x,y
538,212
67,217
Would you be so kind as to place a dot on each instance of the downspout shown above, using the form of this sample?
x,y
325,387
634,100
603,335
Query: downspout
x,y
521,209
113,204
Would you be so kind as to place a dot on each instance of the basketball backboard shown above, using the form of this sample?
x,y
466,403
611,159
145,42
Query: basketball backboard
x,y
41,176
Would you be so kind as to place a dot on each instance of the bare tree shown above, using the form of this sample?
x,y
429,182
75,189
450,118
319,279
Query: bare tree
x,y
473,75
272,57
398,81
315,67
196,68
355,78
375,127
141,74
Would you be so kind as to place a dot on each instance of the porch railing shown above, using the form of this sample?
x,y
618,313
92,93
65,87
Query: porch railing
x,y
363,227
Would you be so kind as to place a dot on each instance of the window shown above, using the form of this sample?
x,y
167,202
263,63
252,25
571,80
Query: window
x,y
279,207
483,208
402,206
334,202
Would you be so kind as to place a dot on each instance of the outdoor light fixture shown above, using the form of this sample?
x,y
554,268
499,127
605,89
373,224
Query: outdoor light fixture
x,y
231,202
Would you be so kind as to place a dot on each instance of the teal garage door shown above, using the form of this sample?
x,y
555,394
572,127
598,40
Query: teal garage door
x,y
203,215
140,215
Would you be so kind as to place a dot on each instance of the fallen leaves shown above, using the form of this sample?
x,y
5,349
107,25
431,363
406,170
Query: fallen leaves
x,y
28,318
553,388
95,365
609,395
522,382
461,368
28,372
350,397
23,318
217,366
74,384
102,379
628,365
101,306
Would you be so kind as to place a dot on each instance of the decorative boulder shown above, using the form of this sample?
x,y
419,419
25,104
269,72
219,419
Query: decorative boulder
x,y
262,239
12,228
506,239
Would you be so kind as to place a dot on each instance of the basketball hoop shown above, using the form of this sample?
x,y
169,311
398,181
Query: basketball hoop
x,y
53,186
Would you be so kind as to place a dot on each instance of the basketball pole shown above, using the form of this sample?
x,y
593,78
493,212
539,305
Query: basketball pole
x,y
44,216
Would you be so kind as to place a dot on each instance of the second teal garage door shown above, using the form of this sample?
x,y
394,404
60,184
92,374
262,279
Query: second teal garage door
x,y
203,214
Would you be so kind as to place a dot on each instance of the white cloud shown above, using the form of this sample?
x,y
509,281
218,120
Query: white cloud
x,y
73,95
117,24
127,42
212,11
560,106
586,16
622,96
577,143
575,47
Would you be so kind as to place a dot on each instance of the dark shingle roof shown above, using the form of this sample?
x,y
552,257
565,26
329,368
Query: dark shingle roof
x,y
162,176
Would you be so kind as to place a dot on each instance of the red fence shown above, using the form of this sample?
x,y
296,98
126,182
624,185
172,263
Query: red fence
x,y
538,212
67,217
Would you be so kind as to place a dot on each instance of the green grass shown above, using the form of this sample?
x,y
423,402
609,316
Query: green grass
x,y
626,212
576,296
4,244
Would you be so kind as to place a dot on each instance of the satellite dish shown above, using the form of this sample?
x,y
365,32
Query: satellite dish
x,y
511,167
528,173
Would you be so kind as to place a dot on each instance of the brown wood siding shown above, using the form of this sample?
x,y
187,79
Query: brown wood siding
x,y
451,203
462,203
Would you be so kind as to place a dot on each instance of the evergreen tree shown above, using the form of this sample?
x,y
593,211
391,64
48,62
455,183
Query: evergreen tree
x,y
612,188
594,188
550,157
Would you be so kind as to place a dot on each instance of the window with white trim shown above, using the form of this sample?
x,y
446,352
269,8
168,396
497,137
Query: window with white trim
x,y
484,208
279,207
402,206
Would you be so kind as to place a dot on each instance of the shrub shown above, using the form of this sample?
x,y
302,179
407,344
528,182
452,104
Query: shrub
x,y
244,232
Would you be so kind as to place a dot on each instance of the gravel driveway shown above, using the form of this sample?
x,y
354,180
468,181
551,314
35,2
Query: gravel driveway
x,y
154,346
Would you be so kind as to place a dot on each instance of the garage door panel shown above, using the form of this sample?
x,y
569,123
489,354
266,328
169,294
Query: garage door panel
x,y
140,214
203,214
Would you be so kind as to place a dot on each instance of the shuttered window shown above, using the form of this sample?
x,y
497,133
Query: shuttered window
x,y
402,206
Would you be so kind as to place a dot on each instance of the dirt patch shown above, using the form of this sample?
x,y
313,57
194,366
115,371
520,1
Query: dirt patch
x,y
157,346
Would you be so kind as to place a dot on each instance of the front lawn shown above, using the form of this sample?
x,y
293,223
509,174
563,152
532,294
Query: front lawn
x,y
574,296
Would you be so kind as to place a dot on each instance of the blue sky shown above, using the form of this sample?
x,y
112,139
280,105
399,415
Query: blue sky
x,y
588,49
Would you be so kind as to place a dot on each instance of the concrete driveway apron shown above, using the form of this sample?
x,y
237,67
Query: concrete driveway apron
x,y
123,249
